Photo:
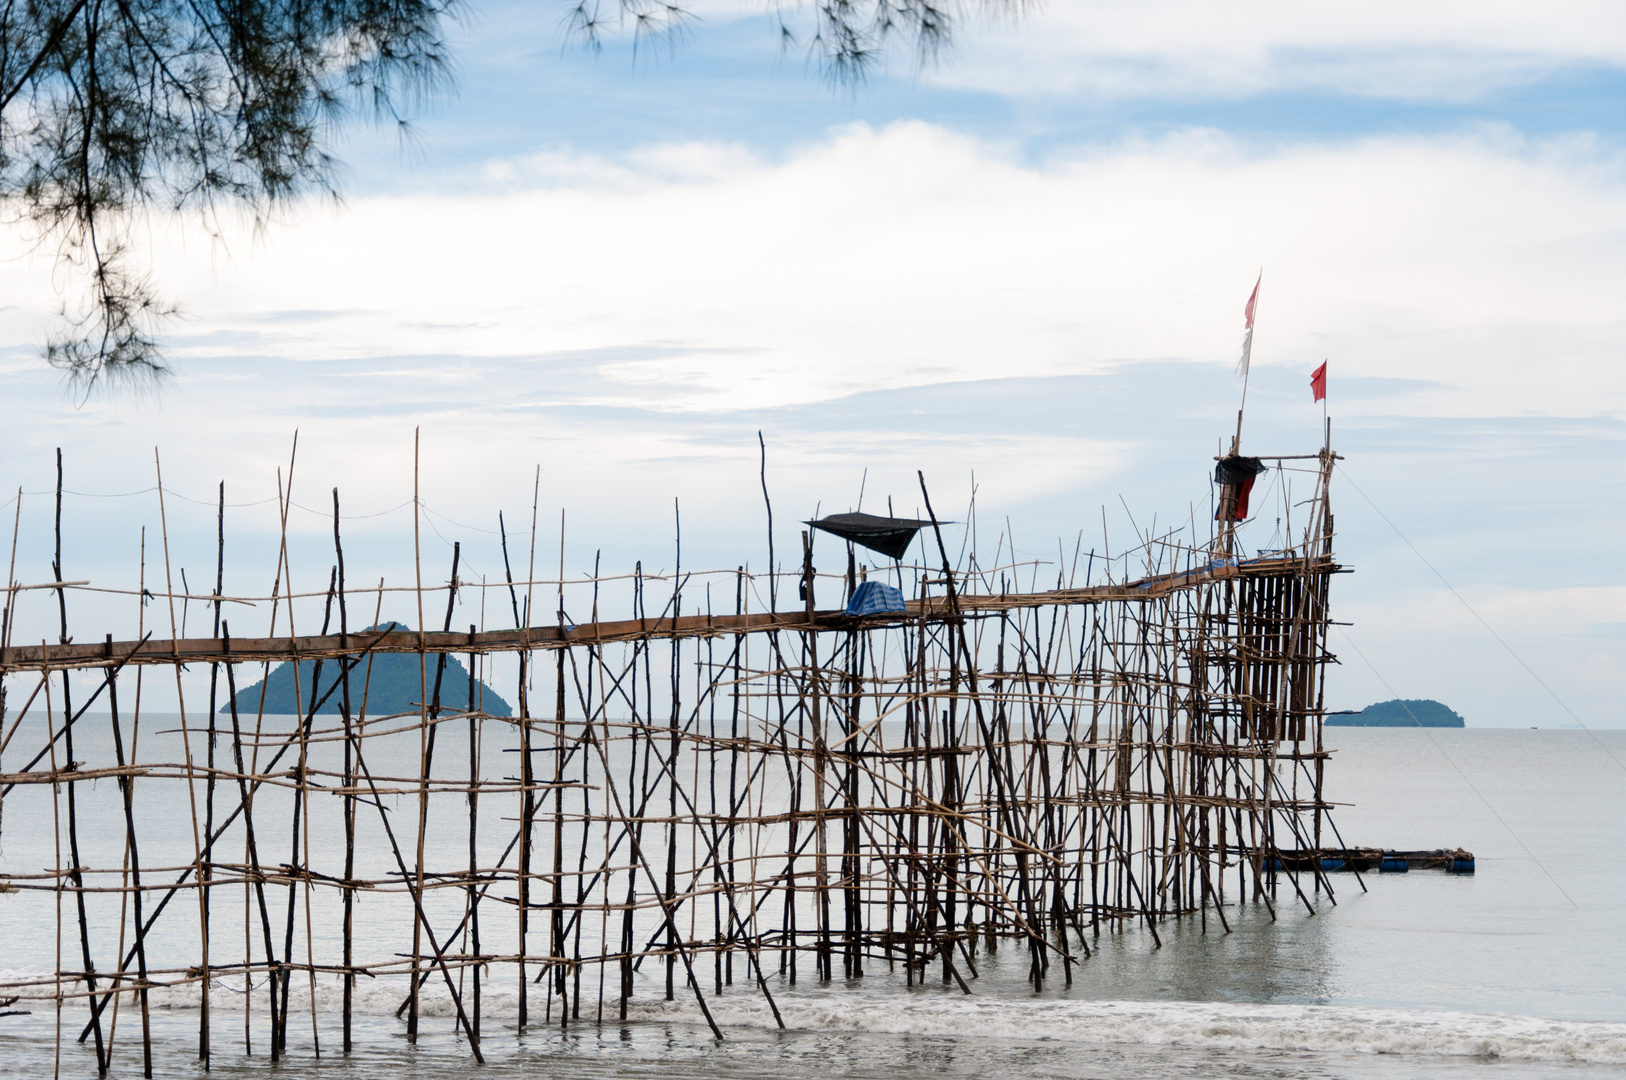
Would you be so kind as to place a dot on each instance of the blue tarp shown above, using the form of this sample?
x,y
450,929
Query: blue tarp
x,y
875,598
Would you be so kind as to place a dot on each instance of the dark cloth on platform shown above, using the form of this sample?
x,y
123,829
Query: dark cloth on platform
x,y
887,535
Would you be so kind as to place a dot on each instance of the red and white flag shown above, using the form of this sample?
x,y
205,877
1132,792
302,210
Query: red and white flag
x,y
1247,335
1318,381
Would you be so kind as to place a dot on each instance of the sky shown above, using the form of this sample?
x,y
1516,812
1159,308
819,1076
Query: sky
x,y
598,276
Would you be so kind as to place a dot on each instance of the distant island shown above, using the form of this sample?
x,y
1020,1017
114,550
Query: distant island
x,y
1400,713
395,686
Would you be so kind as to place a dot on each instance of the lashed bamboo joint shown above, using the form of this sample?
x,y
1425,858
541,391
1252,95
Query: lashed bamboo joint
x,y
699,797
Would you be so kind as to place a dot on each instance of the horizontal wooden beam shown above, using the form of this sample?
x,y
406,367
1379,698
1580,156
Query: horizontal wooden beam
x,y
930,609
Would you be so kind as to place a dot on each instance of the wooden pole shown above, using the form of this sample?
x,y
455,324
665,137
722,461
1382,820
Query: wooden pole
x,y
348,891
75,871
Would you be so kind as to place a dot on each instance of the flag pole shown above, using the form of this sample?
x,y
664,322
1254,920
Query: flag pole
x,y
1252,313
1318,387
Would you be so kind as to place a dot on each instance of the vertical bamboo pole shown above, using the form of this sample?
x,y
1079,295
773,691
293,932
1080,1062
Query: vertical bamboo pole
x,y
347,892
423,742
526,770
133,855
821,840
75,868
201,867
475,725
214,683
559,971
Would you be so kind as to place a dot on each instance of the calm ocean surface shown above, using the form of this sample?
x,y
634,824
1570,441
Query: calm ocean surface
x,y
1517,970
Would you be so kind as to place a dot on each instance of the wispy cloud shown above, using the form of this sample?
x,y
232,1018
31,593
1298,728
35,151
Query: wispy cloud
x,y
877,259
1453,50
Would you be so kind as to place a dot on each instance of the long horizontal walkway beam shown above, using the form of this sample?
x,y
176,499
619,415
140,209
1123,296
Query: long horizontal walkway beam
x,y
156,650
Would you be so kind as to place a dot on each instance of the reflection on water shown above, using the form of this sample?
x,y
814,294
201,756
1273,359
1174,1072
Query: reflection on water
x,y
1353,990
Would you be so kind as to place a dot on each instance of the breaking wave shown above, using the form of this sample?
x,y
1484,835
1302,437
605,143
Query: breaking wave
x,y
892,1011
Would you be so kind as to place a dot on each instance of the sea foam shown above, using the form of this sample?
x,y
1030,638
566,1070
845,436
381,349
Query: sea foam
x,y
889,1010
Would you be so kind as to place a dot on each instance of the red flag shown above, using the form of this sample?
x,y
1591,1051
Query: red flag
x,y
1318,381
1253,298
1241,512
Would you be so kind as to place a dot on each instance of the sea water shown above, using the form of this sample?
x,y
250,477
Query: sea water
x,y
1516,970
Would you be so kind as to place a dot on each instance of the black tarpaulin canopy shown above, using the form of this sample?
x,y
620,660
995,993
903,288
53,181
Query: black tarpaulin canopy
x,y
1238,470
890,536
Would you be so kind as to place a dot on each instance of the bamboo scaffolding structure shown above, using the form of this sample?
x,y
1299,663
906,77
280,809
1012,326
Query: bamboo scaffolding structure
x,y
802,791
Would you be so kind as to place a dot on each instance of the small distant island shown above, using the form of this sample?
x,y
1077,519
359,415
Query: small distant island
x,y
1400,713
394,686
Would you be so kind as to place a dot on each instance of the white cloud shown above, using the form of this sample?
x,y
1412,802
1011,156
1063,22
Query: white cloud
x,y
879,259
630,328
1452,50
